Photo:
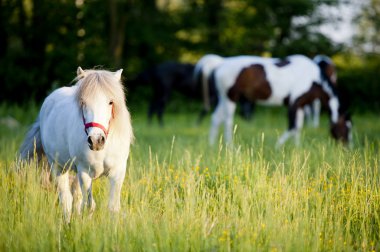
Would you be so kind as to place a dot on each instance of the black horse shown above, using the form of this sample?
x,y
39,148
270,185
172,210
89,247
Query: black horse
x,y
164,79
172,76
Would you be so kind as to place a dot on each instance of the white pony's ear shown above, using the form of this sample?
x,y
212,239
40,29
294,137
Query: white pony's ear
x,y
117,74
80,72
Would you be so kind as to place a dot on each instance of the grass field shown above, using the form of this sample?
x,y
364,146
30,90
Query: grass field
x,y
182,195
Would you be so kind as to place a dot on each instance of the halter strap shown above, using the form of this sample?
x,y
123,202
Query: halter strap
x,y
96,125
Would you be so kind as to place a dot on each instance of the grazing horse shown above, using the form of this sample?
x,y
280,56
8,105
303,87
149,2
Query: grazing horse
x,y
204,74
295,81
164,78
86,128
328,71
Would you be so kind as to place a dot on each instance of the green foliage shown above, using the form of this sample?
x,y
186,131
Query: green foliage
x,y
43,41
367,40
33,56
181,195
358,79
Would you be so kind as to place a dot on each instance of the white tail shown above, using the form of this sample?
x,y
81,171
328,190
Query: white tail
x,y
32,144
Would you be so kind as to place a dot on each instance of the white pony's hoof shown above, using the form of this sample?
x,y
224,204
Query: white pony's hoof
x,y
114,206
114,209
92,206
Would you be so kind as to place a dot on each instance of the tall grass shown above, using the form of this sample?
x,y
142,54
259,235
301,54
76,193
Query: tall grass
x,y
182,195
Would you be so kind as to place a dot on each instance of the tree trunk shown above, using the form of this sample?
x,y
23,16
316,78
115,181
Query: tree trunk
x,y
117,32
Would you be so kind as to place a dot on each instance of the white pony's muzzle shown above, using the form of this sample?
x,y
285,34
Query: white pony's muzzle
x,y
96,142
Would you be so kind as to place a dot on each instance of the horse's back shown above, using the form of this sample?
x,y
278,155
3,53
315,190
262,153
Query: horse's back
x,y
287,78
209,62
307,73
58,99
57,102
304,63
227,73
58,114
290,78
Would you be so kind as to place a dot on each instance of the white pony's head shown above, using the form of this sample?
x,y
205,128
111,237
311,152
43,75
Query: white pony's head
x,y
100,97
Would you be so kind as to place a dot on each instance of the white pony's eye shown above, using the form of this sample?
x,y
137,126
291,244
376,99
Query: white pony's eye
x,y
110,103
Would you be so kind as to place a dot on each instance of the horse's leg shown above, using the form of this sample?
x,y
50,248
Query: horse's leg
x,y
284,137
247,109
77,195
86,185
207,109
316,112
151,112
116,182
160,112
201,116
163,100
216,119
308,113
65,196
230,108
295,119
299,124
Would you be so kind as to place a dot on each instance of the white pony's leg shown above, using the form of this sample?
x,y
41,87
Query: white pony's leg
x,y
216,119
86,185
77,195
116,182
230,108
316,112
65,196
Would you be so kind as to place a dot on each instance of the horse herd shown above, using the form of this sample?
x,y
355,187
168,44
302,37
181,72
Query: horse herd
x,y
87,127
300,83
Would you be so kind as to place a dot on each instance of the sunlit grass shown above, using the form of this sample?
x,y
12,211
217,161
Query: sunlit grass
x,y
181,195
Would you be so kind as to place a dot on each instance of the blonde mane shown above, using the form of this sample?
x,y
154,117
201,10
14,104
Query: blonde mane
x,y
91,82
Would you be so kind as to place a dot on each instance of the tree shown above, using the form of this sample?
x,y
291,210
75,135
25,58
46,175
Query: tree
x,y
32,32
368,23
43,41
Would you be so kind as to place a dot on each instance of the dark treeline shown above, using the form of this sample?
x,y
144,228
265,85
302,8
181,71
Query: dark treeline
x,y
42,41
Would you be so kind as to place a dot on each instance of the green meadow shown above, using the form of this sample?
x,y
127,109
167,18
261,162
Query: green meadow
x,y
180,194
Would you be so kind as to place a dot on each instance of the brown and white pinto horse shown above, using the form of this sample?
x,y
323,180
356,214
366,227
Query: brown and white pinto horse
x,y
296,81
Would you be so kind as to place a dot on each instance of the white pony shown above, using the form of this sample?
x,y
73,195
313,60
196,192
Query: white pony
x,y
296,81
87,128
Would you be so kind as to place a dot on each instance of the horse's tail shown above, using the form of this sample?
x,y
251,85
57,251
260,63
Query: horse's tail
x,y
32,145
197,73
198,83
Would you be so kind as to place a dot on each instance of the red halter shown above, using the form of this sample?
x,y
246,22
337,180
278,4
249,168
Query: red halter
x,y
96,125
